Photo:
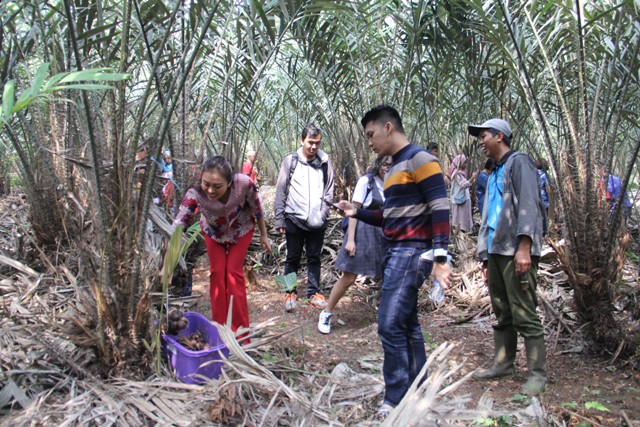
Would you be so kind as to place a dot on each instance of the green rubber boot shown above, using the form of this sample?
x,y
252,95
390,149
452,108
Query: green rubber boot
x,y
536,361
506,343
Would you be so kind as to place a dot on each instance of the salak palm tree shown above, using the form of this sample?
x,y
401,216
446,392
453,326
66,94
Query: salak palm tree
x,y
208,77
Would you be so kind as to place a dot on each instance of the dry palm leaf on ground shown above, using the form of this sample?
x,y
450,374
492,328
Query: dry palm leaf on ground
x,y
50,374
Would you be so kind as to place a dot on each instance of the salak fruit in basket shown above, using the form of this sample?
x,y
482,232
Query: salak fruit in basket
x,y
177,322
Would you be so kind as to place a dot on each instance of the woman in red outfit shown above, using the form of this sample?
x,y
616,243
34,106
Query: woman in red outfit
x,y
229,207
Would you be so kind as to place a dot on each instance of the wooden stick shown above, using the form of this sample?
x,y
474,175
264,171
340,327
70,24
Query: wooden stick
x,y
626,418
595,424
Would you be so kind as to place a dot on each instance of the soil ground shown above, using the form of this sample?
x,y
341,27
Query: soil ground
x,y
576,383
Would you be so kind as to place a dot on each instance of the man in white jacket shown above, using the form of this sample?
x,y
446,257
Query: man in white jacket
x,y
305,179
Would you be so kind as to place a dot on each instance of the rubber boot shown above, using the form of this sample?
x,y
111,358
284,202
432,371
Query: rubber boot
x,y
506,343
536,361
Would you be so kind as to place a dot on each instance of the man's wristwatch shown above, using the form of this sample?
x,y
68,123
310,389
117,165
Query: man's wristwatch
x,y
441,259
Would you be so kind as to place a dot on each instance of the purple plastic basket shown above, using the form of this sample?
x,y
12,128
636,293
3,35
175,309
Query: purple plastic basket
x,y
187,364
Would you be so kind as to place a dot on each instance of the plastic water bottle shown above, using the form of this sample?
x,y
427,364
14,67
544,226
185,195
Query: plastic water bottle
x,y
436,294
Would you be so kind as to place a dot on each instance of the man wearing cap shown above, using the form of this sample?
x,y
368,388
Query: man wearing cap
x,y
509,245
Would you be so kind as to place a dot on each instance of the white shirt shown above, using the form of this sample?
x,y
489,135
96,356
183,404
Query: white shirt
x,y
361,190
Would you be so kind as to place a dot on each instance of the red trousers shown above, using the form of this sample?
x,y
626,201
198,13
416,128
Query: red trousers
x,y
227,279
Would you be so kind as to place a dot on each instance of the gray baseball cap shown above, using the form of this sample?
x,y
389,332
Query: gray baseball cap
x,y
497,124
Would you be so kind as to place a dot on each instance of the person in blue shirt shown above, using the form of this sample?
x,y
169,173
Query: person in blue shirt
x,y
168,189
510,245
166,163
614,188
545,189
481,184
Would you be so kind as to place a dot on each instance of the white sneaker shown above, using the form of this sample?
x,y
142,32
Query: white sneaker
x,y
324,322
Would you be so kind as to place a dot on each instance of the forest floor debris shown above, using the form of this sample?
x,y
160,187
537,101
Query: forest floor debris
x,y
290,373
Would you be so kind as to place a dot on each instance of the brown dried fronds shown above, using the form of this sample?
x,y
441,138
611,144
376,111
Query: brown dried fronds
x,y
227,408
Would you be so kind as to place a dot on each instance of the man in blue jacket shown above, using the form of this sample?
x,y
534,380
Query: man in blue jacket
x,y
509,245
612,195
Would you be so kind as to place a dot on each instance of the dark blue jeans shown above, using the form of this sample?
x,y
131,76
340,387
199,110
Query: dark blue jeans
x,y
398,326
312,242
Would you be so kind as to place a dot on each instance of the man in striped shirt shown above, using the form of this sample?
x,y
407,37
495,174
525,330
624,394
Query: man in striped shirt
x,y
414,219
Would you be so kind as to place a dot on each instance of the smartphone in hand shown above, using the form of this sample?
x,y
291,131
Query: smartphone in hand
x,y
333,205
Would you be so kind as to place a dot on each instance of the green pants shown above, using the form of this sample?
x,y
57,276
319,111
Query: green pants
x,y
513,298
